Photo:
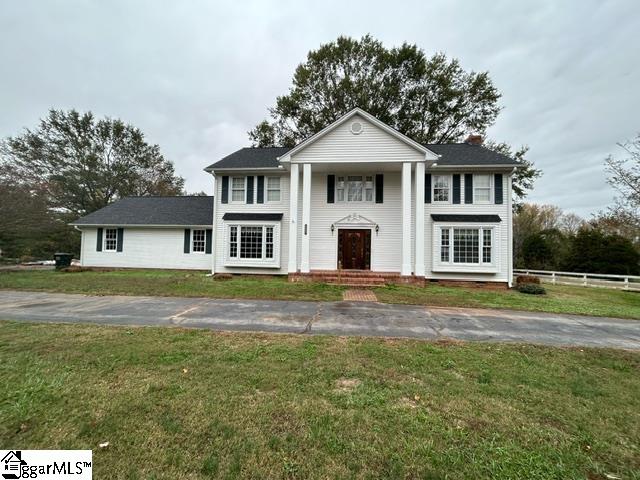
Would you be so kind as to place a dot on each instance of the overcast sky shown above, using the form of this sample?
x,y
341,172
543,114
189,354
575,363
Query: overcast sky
x,y
196,76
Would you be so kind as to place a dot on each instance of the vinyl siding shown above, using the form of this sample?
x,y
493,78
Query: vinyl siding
x,y
501,236
386,255
372,145
220,242
144,248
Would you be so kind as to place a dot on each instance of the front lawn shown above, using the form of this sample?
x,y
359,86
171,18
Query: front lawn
x,y
560,299
172,283
176,403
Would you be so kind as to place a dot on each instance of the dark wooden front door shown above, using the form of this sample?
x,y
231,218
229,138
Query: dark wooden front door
x,y
354,249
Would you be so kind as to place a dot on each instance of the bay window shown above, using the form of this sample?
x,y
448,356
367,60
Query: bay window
x,y
253,245
466,245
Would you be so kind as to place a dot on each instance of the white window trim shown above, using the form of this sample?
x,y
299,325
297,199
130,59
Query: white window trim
x,y
346,189
480,267
204,251
253,262
491,189
433,189
231,200
266,190
104,241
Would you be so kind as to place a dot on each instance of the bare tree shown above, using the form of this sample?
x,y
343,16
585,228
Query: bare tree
x,y
624,176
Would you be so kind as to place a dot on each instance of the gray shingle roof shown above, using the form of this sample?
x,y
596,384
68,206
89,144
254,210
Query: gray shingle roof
x,y
195,210
465,154
452,154
252,158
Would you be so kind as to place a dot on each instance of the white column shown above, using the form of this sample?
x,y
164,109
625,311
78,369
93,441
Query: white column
x,y
406,219
419,270
293,219
306,216
214,231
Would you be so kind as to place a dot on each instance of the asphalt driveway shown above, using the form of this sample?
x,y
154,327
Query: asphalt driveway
x,y
333,318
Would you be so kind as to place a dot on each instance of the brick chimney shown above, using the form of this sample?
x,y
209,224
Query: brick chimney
x,y
474,140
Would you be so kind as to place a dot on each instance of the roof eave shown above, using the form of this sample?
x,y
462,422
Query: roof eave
x,y
149,225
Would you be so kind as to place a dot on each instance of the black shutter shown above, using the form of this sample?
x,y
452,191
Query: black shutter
x,y
225,190
99,243
468,188
331,188
260,194
497,185
379,188
187,240
427,188
456,188
209,238
249,189
120,238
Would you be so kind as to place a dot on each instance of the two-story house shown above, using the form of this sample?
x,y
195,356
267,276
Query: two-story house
x,y
356,197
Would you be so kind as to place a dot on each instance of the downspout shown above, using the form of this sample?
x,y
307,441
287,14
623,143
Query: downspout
x,y
81,243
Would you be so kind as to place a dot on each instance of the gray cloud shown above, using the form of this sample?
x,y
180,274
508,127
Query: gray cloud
x,y
195,76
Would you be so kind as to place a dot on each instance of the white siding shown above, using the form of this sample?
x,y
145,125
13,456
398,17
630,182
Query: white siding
x,y
501,242
372,145
386,255
144,248
220,242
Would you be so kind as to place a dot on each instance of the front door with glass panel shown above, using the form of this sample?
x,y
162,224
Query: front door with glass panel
x,y
354,249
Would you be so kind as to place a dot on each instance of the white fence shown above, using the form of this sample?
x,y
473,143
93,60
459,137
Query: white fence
x,y
622,282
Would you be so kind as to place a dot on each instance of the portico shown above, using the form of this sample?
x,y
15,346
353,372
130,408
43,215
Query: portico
x,y
385,199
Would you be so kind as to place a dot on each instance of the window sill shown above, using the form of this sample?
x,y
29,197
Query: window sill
x,y
248,263
465,267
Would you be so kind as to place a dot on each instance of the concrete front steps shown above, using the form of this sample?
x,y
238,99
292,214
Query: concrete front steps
x,y
354,278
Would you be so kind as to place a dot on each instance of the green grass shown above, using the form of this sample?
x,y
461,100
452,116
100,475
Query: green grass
x,y
560,299
175,403
172,283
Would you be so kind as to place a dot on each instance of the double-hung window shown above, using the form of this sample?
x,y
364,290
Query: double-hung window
x,y
273,189
238,189
198,241
481,188
110,239
466,245
441,187
354,188
252,245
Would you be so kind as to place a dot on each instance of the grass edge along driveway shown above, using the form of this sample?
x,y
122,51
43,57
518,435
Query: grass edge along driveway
x,y
200,404
560,299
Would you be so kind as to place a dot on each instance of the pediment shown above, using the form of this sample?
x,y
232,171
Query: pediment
x,y
354,220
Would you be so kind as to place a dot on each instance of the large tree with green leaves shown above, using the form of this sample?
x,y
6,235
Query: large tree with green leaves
x,y
430,99
82,163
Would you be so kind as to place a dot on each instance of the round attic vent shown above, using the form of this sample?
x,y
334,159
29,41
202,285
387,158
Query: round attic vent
x,y
356,128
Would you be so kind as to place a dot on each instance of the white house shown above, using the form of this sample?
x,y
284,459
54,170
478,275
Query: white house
x,y
358,197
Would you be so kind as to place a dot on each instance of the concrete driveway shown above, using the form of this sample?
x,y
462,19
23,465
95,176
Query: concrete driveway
x,y
333,318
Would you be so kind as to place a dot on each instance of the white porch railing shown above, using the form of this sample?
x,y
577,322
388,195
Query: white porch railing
x,y
622,282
